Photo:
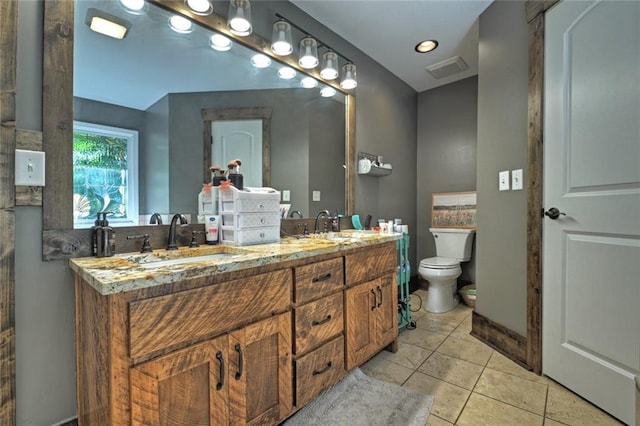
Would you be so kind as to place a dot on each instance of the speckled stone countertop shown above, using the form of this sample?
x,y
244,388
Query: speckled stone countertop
x,y
133,271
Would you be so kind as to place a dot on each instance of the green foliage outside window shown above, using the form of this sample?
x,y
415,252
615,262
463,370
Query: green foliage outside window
x,y
99,175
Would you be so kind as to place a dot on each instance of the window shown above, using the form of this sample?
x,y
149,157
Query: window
x,y
105,174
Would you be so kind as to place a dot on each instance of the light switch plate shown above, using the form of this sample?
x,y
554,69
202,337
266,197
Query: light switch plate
x,y
29,168
503,181
316,195
286,195
516,179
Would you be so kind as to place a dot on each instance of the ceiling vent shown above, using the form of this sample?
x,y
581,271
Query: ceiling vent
x,y
447,67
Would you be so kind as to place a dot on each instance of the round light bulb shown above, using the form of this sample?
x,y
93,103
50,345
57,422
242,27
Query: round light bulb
x,y
180,24
286,73
220,42
327,92
260,61
133,6
200,7
309,82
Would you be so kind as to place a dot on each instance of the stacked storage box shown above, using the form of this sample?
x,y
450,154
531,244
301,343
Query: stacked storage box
x,y
249,216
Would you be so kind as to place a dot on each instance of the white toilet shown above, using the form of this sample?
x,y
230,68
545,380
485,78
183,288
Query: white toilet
x,y
452,247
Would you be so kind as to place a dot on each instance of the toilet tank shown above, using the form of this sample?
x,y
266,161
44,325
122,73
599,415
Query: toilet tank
x,y
453,243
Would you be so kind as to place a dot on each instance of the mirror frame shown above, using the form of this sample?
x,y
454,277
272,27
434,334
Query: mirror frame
x,y
59,239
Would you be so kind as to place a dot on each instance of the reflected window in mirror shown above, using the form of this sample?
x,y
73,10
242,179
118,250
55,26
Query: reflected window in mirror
x,y
105,174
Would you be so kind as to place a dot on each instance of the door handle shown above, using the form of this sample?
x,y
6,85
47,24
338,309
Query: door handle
x,y
221,380
238,349
554,213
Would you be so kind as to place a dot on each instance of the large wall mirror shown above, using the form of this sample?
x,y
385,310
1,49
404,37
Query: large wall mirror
x,y
164,85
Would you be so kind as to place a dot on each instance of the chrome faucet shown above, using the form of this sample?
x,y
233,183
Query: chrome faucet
x,y
155,219
321,213
171,243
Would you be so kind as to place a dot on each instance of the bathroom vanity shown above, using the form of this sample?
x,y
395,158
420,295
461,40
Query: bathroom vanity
x,y
229,335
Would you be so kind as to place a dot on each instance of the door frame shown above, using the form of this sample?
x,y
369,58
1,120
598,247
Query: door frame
x,y
209,115
535,10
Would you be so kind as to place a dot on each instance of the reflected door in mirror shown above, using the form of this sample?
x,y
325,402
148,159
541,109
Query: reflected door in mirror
x,y
239,139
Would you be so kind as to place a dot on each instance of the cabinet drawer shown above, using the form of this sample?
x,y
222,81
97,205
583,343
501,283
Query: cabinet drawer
x,y
318,370
318,279
317,322
369,264
188,316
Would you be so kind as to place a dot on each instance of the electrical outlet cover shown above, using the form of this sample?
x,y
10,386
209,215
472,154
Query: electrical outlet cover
x,y
286,195
316,195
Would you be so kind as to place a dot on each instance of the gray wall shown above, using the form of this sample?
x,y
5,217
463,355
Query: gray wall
x,y
45,356
501,254
447,141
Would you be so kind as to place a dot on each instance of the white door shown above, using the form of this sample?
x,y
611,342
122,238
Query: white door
x,y
591,256
239,139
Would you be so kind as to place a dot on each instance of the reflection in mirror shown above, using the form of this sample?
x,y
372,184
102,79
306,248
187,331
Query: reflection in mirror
x,y
160,83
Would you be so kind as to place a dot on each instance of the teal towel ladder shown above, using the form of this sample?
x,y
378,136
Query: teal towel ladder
x,y
404,274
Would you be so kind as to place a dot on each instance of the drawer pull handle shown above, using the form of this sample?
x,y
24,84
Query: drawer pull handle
x,y
323,370
323,321
324,277
375,299
238,349
221,380
380,293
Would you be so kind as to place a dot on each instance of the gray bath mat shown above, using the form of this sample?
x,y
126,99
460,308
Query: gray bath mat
x,y
360,400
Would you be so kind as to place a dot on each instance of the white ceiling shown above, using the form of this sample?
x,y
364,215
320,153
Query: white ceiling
x,y
388,31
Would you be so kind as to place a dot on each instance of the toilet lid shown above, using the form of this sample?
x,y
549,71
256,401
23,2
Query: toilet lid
x,y
439,262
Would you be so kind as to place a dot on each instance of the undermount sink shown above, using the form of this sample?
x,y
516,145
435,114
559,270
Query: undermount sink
x,y
162,258
151,263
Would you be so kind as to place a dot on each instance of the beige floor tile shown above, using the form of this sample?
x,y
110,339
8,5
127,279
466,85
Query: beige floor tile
x,y
463,332
549,422
437,421
500,362
448,399
566,407
513,390
481,410
457,314
422,337
410,356
452,370
475,352
433,323
383,369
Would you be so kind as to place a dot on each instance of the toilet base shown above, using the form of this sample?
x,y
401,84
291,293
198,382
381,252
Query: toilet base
x,y
441,297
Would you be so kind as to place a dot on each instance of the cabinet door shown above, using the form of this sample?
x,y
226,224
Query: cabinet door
x,y
386,310
260,372
360,310
187,387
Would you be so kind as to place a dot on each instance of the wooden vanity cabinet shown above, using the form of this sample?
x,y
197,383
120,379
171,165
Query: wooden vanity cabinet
x,y
371,301
240,378
318,327
247,348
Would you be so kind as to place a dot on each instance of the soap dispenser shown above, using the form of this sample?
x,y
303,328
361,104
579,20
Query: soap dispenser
x,y
105,238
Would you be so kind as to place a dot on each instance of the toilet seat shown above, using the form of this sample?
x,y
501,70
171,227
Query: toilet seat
x,y
439,263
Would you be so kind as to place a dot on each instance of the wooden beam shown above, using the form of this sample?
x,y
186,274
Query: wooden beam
x,y
534,194
8,56
509,343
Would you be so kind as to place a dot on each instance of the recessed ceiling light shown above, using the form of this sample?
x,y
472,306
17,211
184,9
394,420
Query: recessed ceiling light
x,y
426,46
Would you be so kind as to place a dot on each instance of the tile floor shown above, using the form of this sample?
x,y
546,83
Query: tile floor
x,y
473,384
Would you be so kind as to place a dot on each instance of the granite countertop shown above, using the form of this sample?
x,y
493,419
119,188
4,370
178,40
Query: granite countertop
x,y
133,271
